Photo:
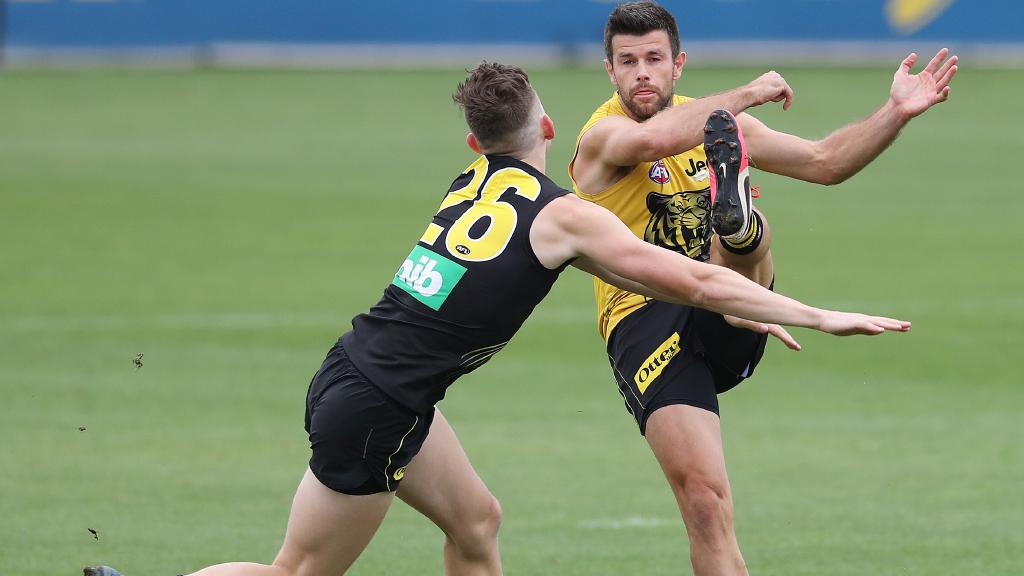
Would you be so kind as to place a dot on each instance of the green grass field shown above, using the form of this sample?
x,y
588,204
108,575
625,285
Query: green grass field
x,y
228,225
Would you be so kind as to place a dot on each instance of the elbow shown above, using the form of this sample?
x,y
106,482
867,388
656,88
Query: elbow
x,y
693,291
829,169
824,172
689,283
831,175
702,298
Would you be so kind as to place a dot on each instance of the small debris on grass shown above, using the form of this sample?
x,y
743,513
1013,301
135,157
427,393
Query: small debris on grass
x,y
138,360
82,428
95,534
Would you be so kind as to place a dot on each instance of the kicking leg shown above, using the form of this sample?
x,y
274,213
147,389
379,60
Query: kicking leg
x,y
687,442
743,237
327,531
753,257
441,484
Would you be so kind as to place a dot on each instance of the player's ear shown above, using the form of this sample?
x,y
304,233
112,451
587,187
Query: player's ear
x,y
610,71
677,66
547,127
472,142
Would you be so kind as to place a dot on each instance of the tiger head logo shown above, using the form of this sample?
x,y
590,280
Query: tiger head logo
x,y
680,222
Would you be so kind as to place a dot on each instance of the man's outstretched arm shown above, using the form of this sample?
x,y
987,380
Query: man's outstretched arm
x,y
621,141
849,149
596,269
572,228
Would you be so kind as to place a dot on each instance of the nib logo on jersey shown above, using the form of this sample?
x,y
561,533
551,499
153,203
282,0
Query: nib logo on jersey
x,y
428,276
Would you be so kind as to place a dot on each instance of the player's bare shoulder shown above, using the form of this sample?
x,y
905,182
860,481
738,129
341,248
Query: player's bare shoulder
x,y
595,166
552,235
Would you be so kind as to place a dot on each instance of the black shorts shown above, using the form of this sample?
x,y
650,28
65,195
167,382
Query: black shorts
x,y
664,354
362,440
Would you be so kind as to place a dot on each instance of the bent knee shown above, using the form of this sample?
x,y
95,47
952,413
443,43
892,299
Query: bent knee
x,y
487,518
706,504
477,528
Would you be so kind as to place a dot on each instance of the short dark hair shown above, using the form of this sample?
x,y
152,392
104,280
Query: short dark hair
x,y
497,100
637,19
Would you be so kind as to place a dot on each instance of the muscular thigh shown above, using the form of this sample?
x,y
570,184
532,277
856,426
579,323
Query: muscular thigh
x,y
441,483
687,442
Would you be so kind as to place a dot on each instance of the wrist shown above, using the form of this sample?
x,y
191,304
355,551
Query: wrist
x,y
747,98
897,112
817,318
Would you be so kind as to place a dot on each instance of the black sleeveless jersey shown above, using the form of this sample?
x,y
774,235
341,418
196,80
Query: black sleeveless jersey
x,y
464,290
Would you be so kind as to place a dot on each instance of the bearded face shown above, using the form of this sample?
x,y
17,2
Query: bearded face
x,y
644,72
645,100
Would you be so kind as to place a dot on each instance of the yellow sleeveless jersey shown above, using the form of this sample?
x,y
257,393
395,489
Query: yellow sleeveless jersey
x,y
666,203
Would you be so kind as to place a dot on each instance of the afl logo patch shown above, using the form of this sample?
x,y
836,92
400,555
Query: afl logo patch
x,y
659,173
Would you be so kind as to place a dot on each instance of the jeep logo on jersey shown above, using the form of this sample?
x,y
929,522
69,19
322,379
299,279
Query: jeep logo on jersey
x,y
656,362
428,276
696,168
659,173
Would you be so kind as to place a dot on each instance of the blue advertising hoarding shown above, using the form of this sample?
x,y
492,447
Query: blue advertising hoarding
x,y
117,24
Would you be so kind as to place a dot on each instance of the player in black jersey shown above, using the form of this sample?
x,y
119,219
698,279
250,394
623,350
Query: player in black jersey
x,y
500,238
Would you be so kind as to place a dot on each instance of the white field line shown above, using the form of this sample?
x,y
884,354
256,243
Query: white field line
x,y
188,321
227,321
630,522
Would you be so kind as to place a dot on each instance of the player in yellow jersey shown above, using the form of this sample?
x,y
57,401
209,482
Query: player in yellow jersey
x,y
451,306
644,154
